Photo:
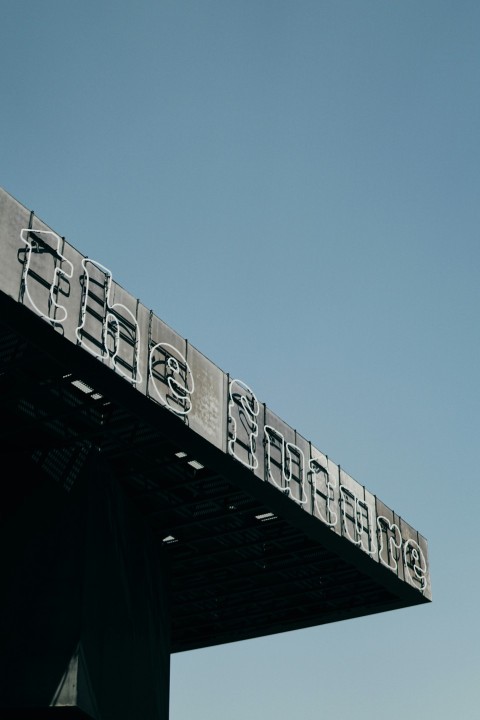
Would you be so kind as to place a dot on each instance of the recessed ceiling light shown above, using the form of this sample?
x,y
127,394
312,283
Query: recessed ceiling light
x,y
265,516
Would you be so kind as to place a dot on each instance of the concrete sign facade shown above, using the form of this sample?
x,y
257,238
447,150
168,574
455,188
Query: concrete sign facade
x,y
78,297
156,505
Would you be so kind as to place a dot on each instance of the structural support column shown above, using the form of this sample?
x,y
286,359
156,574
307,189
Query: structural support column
x,y
84,618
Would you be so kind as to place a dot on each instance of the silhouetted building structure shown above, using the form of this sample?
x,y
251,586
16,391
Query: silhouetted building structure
x,y
151,503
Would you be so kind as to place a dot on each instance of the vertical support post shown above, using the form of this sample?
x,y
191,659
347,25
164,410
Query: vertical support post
x,y
84,610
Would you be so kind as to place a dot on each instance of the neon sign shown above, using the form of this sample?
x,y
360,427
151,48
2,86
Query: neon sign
x,y
243,409
46,244
171,377
107,330
96,314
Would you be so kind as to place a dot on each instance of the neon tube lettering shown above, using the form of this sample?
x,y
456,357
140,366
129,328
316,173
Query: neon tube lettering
x,y
287,470
171,377
389,552
38,248
321,476
414,560
357,512
107,330
243,410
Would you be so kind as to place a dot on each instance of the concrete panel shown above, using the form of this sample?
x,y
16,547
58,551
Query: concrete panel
x,y
13,218
414,559
47,274
371,512
124,334
389,539
286,462
245,426
170,379
325,486
72,298
358,514
300,485
95,281
209,399
427,591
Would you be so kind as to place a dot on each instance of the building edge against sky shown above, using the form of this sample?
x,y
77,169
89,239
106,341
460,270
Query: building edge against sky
x,y
238,478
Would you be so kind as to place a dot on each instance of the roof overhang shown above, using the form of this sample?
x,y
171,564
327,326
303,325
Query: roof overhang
x,y
265,533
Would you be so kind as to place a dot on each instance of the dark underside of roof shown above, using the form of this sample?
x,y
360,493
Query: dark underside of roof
x,y
239,569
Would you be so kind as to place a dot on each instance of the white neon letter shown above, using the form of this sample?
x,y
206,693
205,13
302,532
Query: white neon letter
x,y
175,387
243,409
317,470
414,559
360,517
108,330
37,245
389,552
280,472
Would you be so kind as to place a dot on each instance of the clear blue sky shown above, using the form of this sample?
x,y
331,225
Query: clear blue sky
x,y
293,185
